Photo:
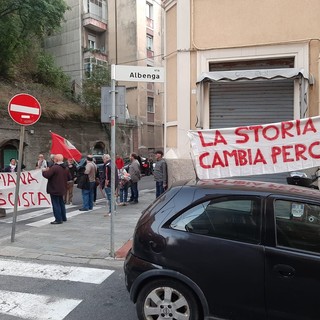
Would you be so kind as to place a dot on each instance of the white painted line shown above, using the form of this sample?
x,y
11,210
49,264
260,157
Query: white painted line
x,y
44,222
53,272
34,306
27,216
24,109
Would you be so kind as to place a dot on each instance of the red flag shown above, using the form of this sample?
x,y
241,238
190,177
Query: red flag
x,y
63,146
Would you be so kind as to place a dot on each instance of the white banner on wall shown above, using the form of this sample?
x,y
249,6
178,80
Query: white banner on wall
x,y
257,149
32,191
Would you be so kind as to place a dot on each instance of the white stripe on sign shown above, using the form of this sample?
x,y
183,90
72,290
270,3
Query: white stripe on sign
x,y
24,116
34,306
24,109
53,272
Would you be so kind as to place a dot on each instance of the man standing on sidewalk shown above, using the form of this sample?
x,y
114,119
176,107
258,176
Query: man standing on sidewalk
x,y
57,176
160,174
134,171
87,194
105,179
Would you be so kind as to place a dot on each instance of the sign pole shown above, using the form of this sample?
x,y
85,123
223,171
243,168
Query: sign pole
x,y
16,196
125,73
113,158
25,110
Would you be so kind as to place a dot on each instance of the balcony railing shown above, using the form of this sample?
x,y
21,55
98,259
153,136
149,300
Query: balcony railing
x,y
99,54
149,23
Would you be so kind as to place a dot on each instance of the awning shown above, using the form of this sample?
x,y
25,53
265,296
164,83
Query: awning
x,y
257,74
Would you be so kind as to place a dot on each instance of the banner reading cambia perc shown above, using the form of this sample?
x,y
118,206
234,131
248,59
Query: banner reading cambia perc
x,y
32,190
257,149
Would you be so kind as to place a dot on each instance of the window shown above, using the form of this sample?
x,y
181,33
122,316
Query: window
x,y
91,64
297,225
149,10
97,2
233,218
91,42
149,42
150,105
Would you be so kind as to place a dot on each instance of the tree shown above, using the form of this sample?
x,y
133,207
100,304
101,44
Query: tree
x,y
99,76
22,22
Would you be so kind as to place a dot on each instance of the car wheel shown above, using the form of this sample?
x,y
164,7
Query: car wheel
x,y
166,299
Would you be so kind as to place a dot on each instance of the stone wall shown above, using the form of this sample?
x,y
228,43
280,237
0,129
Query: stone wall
x,y
84,135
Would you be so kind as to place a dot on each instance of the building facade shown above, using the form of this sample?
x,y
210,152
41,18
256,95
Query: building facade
x,y
233,63
124,32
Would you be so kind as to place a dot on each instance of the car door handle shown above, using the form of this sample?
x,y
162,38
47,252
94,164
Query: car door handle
x,y
284,270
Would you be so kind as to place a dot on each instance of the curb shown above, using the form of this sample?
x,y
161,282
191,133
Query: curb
x,y
122,252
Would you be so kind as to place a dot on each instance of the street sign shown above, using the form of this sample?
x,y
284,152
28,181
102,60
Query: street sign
x,y
140,74
24,109
106,104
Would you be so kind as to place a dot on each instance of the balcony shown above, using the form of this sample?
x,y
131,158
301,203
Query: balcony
x,y
94,22
149,23
132,121
99,54
150,117
150,54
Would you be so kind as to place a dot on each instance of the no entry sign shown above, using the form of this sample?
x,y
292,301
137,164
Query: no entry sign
x,y
24,109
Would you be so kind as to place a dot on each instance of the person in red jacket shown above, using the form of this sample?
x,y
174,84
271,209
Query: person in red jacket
x,y
57,175
119,162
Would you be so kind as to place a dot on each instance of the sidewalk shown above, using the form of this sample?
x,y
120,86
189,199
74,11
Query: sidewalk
x,y
84,238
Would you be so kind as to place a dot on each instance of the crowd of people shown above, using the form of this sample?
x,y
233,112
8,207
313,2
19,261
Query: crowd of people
x,y
87,176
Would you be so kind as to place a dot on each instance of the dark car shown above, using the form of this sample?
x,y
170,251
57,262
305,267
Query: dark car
x,y
227,249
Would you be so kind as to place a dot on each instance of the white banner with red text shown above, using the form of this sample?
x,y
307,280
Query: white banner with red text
x,y
257,149
32,190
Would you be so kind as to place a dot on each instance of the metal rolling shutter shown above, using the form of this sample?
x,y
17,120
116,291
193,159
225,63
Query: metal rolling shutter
x,y
234,104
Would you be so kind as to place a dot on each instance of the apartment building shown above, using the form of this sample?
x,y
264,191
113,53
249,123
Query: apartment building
x,y
233,63
122,32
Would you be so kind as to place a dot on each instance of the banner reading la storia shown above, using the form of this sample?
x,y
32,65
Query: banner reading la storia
x,y
32,190
257,149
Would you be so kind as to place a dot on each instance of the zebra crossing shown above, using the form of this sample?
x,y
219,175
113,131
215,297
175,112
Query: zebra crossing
x,y
37,305
40,213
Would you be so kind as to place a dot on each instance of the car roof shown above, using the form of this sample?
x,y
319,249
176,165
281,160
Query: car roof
x,y
254,186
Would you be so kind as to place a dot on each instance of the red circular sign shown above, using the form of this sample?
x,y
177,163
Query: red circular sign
x,y
24,109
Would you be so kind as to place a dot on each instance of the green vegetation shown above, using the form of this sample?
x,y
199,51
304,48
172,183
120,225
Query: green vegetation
x,y
23,25
98,77
48,74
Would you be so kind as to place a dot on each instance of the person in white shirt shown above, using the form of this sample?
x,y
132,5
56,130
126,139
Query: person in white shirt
x,y
42,162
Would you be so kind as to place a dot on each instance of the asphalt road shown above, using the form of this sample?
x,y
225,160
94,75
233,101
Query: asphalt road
x,y
35,294
38,295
